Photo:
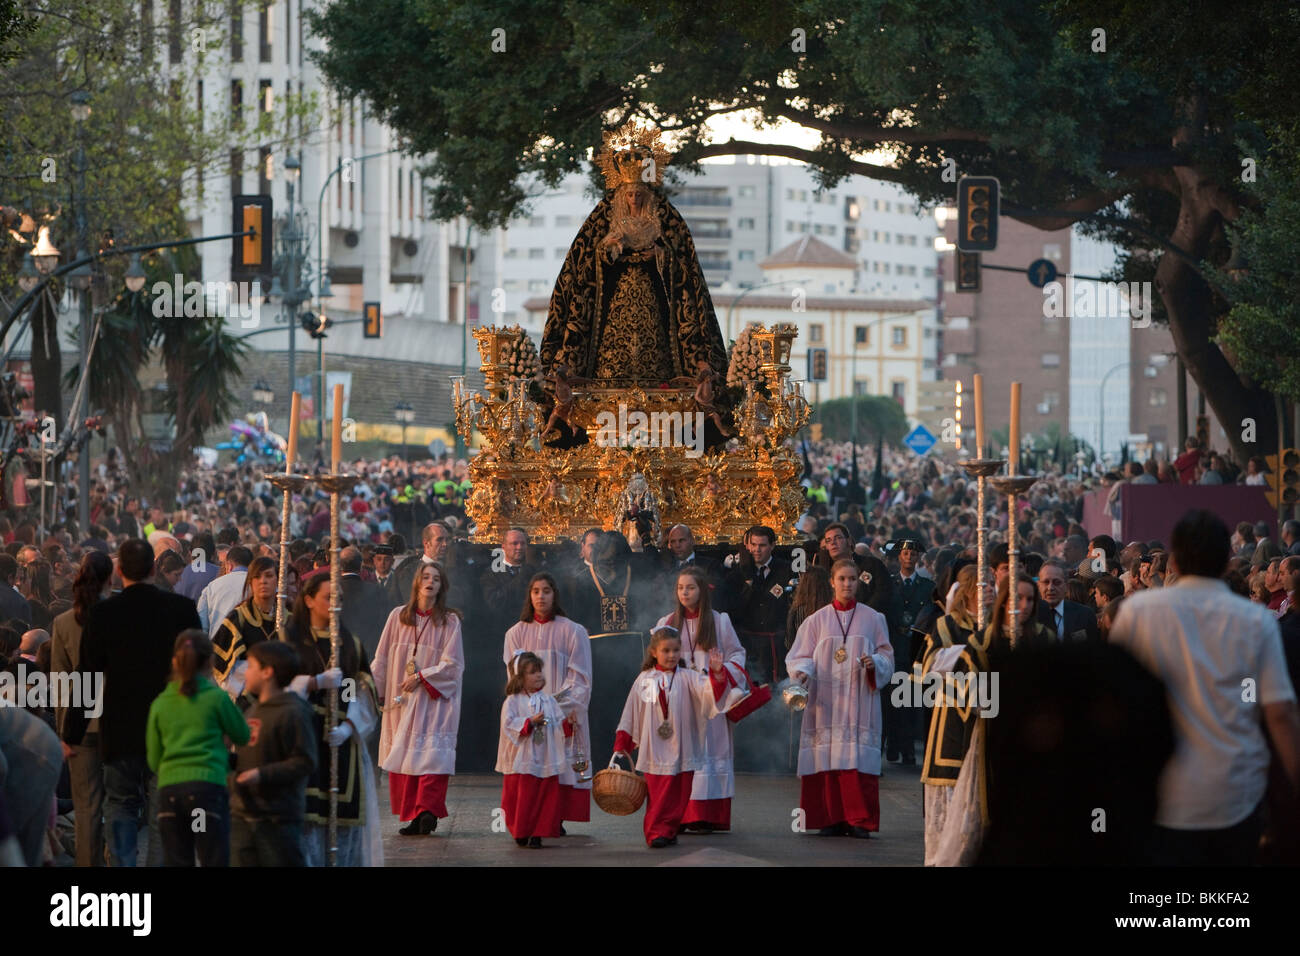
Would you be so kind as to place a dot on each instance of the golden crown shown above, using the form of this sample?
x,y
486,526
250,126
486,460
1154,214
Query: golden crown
x,y
632,134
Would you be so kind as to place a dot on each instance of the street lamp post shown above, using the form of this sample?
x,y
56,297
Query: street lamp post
x,y
80,113
405,414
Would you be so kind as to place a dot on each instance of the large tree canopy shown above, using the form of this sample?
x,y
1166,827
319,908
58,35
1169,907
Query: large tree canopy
x,y
1103,106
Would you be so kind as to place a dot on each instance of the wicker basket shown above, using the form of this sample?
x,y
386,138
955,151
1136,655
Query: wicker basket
x,y
617,791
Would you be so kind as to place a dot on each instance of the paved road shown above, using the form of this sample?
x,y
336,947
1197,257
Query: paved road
x,y
761,832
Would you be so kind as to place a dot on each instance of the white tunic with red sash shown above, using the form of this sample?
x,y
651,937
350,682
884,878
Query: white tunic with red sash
x,y
565,650
419,736
715,779
842,720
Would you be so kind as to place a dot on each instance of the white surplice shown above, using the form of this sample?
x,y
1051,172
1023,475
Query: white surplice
x,y
419,735
841,722
565,650
690,706
715,779
541,755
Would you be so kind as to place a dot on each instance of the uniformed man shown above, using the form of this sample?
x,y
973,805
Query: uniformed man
x,y
759,587
912,592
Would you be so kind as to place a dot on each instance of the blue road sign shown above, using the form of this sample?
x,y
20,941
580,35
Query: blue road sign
x,y
920,440
1041,272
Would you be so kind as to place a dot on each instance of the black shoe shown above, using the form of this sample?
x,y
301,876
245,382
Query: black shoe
x,y
658,843
422,825
521,841
862,833
563,832
534,843
909,760
704,828
892,756
832,830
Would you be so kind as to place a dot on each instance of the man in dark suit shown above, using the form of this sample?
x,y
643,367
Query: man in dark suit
x,y
365,606
759,588
504,584
386,578
912,593
874,587
1067,620
681,554
12,604
437,542
129,639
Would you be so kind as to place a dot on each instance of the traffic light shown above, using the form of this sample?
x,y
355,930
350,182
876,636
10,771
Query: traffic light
x,y
968,271
1284,478
817,365
977,213
315,325
374,320
251,255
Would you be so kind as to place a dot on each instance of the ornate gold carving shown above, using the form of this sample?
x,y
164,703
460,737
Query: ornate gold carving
x,y
518,482
623,151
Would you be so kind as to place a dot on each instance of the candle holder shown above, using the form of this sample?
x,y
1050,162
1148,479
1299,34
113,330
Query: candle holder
x,y
335,485
289,485
1013,486
981,469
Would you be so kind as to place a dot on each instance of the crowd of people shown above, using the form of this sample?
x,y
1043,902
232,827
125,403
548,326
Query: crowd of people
x,y
206,707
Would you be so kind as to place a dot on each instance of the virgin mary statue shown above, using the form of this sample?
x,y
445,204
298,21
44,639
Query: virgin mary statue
x,y
631,303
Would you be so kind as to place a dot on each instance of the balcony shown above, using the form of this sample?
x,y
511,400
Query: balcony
x,y
711,235
715,265
700,199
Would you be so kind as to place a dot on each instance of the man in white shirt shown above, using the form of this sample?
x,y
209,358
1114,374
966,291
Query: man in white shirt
x,y
224,594
1220,657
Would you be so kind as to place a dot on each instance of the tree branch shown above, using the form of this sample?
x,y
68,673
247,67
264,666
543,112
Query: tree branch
x,y
745,147
876,134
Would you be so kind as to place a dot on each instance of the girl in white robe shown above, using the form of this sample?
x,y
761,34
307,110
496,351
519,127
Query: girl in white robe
x,y
702,629
565,650
418,667
843,656
532,754
664,721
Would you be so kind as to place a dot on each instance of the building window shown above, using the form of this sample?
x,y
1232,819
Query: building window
x,y
817,229
745,224
1052,250
264,31
176,15
236,103
536,253
537,222
265,170
861,387
898,390
747,192
789,194
862,334
1051,360
512,253
564,220
561,252
1052,398
537,285
899,336
815,332
265,96
1157,398
745,255
236,172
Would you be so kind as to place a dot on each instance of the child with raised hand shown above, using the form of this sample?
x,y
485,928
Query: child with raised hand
x,y
665,720
532,754
185,738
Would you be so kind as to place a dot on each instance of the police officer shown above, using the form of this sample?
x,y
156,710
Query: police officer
x,y
912,593
759,587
